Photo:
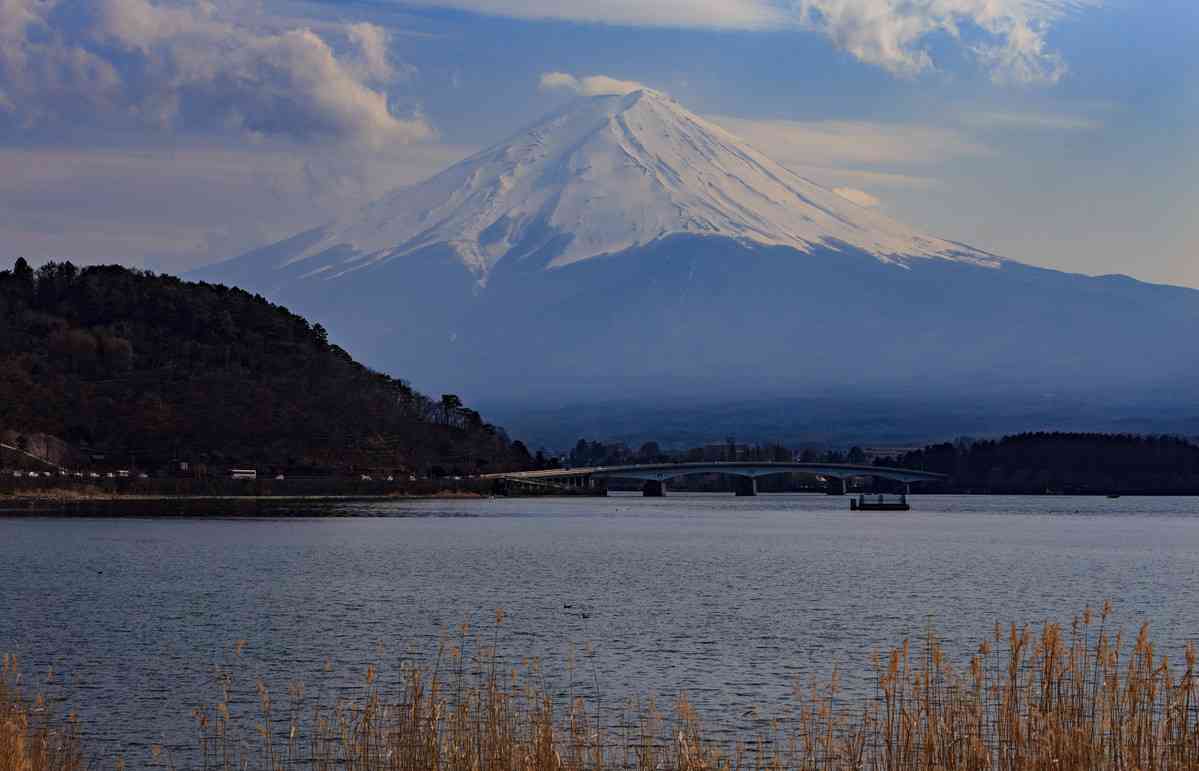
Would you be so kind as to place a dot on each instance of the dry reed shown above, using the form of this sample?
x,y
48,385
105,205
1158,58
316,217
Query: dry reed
x,y
31,739
1051,697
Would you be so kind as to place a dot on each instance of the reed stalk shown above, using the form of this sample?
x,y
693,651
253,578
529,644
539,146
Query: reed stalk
x,y
1030,699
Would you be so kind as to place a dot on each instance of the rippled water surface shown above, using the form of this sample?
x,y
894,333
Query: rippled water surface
x,y
729,599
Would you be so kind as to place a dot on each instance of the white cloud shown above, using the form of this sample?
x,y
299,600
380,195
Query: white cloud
x,y
37,64
372,42
592,85
860,197
719,14
555,80
1006,36
122,63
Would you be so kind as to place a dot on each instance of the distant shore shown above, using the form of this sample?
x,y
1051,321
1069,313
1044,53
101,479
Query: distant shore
x,y
73,496
84,499
111,503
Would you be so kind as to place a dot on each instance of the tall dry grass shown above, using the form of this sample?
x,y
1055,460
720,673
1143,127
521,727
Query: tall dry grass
x,y
31,738
1051,697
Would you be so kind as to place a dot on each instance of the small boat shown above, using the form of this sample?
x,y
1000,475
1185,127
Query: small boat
x,y
1113,496
879,503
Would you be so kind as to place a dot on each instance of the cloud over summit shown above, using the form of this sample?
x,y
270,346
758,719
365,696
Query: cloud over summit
x,y
591,85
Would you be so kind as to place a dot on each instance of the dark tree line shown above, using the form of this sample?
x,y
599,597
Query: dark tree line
x,y
593,453
133,365
855,456
1063,462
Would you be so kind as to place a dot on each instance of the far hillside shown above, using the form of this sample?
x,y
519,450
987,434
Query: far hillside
x,y
129,368
1063,463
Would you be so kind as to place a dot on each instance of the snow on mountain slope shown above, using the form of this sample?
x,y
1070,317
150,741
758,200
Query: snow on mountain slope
x,y
605,175
722,274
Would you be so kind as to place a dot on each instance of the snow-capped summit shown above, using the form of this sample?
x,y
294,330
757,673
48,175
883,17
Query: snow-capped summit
x,y
623,246
604,175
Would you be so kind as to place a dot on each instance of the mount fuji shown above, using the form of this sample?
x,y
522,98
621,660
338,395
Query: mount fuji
x,y
625,248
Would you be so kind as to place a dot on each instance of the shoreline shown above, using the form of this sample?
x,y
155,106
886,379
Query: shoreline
x,y
59,500
96,503
67,496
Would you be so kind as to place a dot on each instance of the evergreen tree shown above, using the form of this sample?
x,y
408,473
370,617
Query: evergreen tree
x,y
132,362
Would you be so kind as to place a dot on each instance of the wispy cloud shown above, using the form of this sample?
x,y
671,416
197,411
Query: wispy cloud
x,y
854,143
1032,121
720,14
591,85
860,197
197,65
856,159
182,204
371,43
1008,37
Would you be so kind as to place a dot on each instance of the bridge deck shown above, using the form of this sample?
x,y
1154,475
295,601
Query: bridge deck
x,y
753,469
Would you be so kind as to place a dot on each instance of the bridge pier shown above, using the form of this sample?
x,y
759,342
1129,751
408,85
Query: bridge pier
x,y
746,487
836,486
654,488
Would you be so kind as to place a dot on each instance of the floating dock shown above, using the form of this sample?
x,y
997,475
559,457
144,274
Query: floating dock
x,y
879,503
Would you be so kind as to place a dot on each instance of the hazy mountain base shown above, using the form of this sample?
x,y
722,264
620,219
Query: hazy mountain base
x,y
691,338
831,420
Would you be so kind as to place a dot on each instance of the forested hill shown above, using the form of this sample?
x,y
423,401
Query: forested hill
x,y
1063,462
132,365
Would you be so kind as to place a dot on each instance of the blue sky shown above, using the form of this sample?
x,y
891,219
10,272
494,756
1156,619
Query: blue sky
x,y
170,133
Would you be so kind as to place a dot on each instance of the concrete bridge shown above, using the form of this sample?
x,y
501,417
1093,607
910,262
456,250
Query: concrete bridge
x,y
655,476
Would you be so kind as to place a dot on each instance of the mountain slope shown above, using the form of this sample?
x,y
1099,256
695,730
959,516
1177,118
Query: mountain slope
x,y
626,248
608,174
136,365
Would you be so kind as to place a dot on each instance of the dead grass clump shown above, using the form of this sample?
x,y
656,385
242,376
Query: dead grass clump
x,y
1030,699
31,739
1045,698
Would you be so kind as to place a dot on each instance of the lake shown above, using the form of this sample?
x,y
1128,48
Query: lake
x,y
730,599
